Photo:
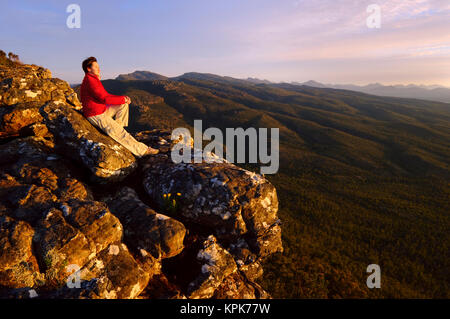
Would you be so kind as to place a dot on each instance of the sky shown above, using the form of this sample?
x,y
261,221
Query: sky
x,y
278,40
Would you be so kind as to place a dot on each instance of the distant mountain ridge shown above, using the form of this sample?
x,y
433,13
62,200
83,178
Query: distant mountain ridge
x,y
436,93
150,76
141,75
425,92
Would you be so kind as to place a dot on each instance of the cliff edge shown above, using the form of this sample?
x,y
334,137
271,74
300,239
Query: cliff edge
x,y
81,217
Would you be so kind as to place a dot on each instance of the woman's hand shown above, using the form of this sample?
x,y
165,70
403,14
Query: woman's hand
x,y
127,100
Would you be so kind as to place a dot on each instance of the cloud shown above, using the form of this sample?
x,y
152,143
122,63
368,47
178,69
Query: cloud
x,y
325,38
439,50
332,30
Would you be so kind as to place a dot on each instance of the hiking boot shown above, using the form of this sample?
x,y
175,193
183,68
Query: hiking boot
x,y
151,151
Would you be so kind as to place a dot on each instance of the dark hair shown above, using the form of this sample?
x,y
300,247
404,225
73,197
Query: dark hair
x,y
87,63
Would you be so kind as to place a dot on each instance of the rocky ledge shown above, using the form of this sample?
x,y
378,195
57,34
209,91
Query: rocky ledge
x,y
81,217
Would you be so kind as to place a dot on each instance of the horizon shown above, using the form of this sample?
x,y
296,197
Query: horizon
x,y
299,82
282,41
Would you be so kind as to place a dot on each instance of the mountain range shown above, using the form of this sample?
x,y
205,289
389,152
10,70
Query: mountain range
x,y
426,92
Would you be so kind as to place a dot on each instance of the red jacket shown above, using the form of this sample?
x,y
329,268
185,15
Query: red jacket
x,y
94,96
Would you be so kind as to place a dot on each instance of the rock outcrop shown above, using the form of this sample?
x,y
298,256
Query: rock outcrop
x,y
217,264
18,266
81,217
238,206
106,159
145,229
25,88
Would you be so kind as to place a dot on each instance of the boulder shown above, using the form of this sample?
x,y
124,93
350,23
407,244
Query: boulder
x,y
116,274
69,229
60,245
74,235
252,271
38,174
71,188
16,120
113,274
216,265
31,201
23,90
151,265
32,83
229,201
159,287
95,221
77,139
24,150
146,229
18,266
35,179
236,286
